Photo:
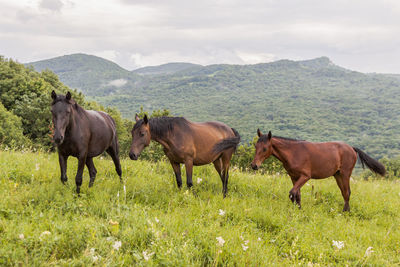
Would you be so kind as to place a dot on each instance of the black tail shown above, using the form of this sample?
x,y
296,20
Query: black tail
x,y
371,163
228,143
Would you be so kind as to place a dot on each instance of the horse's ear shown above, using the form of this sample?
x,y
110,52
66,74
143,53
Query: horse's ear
x,y
259,133
137,117
53,95
68,96
269,135
145,119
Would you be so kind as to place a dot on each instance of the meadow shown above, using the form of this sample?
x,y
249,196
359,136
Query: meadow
x,y
147,221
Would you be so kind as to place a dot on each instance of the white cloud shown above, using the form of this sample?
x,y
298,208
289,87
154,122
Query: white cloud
x,y
361,35
117,82
53,5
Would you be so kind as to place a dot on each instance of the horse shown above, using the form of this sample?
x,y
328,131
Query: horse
x,y
189,143
83,134
307,160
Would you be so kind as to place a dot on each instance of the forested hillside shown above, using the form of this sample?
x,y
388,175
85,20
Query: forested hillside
x,y
25,107
314,99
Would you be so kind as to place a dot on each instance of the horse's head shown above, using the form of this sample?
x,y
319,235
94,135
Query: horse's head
x,y
140,137
263,149
61,110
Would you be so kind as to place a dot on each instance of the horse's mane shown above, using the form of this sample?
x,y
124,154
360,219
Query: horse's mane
x,y
264,138
160,126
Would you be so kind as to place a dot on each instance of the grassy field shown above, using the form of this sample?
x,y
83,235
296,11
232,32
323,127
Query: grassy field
x,y
43,222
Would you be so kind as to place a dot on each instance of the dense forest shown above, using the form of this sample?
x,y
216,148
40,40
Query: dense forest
x,y
313,100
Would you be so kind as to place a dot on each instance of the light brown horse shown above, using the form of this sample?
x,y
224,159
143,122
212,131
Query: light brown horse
x,y
189,143
306,160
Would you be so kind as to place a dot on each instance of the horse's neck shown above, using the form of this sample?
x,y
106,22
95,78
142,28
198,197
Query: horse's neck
x,y
163,141
280,149
76,119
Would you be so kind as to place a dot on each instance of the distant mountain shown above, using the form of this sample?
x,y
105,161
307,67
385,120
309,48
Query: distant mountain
x,y
85,72
312,99
168,68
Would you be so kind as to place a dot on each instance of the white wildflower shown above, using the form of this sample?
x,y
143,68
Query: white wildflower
x,y
117,245
157,220
45,233
368,252
125,189
110,238
95,258
37,166
246,242
21,236
220,240
259,239
92,251
244,247
338,244
221,212
147,255
199,180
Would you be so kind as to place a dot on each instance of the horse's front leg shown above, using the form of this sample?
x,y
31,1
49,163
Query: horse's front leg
x,y
189,171
63,167
177,171
79,173
295,194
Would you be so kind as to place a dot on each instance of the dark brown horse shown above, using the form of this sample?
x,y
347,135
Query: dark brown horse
x,y
306,160
83,134
188,143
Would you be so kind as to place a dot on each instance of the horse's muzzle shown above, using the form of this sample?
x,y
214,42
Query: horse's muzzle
x,y
133,156
58,140
254,166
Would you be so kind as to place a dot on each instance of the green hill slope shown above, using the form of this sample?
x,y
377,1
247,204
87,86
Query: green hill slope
x,y
168,68
85,72
313,99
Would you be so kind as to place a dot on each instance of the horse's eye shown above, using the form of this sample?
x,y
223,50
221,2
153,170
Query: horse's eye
x,y
141,134
264,149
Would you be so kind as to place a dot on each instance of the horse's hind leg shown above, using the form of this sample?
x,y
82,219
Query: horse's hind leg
x,y
218,164
92,170
343,181
79,173
113,152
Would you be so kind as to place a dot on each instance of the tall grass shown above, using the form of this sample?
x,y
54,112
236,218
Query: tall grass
x,y
43,222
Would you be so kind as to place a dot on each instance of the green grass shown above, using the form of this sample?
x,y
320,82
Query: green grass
x,y
180,227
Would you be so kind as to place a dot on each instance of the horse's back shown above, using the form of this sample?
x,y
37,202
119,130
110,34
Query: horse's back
x,y
205,136
327,158
102,129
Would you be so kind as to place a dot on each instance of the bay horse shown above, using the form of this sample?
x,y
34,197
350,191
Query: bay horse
x,y
83,134
307,160
189,143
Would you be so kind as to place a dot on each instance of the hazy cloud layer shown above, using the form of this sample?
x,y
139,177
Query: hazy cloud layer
x,y
360,35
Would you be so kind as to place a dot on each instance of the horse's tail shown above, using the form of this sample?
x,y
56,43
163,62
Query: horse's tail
x,y
227,143
371,163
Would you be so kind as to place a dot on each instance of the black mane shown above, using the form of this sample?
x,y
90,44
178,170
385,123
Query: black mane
x,y
264,138
160,126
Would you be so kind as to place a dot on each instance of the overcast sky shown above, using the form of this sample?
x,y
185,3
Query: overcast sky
x,y
361,35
